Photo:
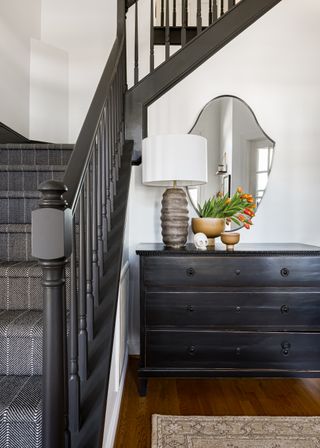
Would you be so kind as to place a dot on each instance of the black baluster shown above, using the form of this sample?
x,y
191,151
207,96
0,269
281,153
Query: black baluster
x,y
89,289
136,45
83,332
199,18
210,13
52,259
113,152
174,13
187,13
221,8
110,146
167,32
184,22
214,11
104,184
99,206
95,265
162,13
108,149
74,381
118,160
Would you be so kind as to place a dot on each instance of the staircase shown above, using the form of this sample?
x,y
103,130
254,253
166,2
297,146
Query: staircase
x,y
22,168
53,373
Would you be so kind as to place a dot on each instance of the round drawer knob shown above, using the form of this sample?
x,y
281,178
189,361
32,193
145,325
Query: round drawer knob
x,y
190,272
238,309
285,345
192,350
284,272
284,309
189,308
238,351
237,272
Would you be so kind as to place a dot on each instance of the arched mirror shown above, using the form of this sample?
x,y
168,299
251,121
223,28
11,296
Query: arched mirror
x,y
240,153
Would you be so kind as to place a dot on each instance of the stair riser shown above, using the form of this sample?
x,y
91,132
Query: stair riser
x,y
26,181
21,356
15,246
34,156
24,292
17,210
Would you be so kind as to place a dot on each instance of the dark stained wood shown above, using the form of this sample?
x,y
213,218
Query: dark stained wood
x,y
287,397
275,352
269,310
186,271
252,312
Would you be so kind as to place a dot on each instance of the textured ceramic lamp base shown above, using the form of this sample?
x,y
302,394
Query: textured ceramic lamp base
x,y
174,217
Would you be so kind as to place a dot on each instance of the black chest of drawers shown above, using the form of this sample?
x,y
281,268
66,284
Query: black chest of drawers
x,y
252,312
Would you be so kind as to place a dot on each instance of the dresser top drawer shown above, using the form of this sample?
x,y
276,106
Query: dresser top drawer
x,y
193,271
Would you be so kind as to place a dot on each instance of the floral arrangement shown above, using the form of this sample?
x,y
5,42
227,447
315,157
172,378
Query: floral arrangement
x,y
238,209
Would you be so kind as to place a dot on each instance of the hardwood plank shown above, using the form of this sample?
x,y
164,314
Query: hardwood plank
x,y
227,396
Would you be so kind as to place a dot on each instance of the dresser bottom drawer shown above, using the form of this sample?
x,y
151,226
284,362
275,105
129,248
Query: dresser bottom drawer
x,y
232,350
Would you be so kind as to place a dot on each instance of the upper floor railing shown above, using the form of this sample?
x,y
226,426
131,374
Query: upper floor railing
x,y
171,24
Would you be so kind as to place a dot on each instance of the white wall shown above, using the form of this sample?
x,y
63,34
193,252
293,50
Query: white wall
x,y
86,31
19,21
118,362
48,93
274,67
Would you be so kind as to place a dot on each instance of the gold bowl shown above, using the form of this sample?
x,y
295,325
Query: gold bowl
x,y
211,227
230,239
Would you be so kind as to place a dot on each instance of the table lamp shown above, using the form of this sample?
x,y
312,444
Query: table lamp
x,y
174,161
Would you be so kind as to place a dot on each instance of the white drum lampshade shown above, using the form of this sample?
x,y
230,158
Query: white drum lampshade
x,y
177,160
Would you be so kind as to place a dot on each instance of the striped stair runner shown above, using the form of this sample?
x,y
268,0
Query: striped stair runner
x,y
22,168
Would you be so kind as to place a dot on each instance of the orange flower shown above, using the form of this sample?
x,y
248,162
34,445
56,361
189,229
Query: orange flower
x,y
240,190
241,218
228,200
246,225
248,212
250,200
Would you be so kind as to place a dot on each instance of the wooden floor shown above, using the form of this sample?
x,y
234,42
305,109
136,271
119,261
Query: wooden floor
x,y
209,397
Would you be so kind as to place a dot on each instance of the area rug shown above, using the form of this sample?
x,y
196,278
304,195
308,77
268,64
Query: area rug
x,y
235,432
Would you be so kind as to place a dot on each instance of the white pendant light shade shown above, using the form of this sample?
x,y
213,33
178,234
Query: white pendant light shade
x,y
179,157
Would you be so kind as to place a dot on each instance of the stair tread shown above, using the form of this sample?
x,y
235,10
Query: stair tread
x,y
21,342
15,228
19,194
28,146
21,268
21,323
32,168
20,403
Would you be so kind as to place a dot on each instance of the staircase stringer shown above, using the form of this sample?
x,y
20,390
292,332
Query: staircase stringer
x,y
184,62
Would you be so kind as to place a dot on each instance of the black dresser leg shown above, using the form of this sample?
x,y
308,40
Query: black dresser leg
x,y
142,384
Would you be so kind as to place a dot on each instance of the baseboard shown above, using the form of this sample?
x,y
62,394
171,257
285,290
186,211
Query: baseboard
x,y
110,436
134,346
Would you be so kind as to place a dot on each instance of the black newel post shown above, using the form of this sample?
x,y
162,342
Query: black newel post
x,y
51,244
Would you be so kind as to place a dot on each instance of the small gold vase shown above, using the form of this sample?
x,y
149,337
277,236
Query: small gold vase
x,y
230,239
211,227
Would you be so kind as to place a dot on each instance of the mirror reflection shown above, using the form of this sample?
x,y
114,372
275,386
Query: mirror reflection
x,y
239,152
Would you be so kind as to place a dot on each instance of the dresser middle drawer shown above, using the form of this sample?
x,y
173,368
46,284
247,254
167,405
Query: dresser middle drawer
x,y
234,310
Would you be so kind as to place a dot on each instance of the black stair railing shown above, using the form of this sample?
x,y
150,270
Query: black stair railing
x,y
173,25
70,237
